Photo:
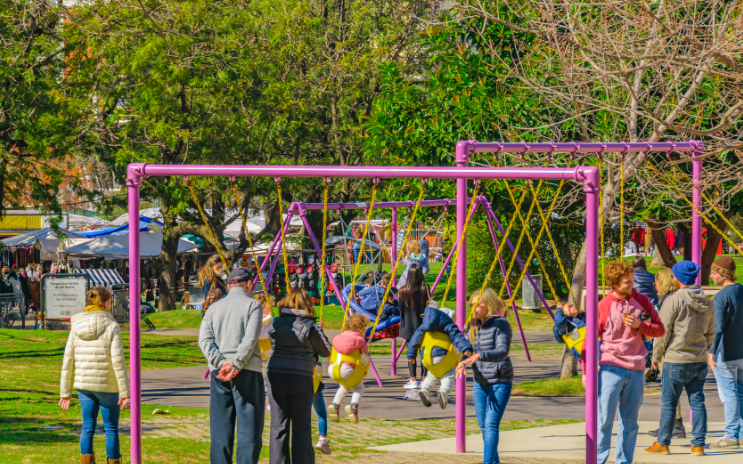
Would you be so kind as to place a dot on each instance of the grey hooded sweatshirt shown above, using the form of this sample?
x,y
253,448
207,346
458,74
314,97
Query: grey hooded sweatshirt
x,y
689,318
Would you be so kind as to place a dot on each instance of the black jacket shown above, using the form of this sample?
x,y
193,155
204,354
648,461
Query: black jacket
x,y
493,342
411,318
297,343
645,284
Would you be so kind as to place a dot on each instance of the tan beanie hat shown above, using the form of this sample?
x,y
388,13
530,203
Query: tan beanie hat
x,y
725,266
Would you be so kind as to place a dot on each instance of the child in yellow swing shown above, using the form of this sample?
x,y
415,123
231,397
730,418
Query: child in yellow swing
x,y
441,344
349,362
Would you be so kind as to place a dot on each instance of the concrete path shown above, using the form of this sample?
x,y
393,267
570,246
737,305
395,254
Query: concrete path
x,y
568,442
184,387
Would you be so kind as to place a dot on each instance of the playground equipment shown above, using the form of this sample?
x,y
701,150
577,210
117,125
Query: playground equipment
x,y
586,175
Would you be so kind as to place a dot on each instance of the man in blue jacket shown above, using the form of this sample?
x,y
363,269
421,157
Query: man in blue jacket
x,y
435,320
726,354
644,281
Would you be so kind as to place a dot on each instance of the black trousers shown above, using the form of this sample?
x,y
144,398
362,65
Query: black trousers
x,y
242,399
291,418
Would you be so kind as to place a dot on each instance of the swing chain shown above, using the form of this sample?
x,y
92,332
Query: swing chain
x,y
247,234
283,231
206,222
324,238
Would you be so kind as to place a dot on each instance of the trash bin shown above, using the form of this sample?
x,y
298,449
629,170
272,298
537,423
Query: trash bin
x,y
531,298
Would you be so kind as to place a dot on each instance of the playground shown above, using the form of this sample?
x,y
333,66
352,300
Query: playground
x,y
166,365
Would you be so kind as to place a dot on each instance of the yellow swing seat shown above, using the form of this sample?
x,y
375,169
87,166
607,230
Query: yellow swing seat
x,y
265,345
359,359
451,359
575,339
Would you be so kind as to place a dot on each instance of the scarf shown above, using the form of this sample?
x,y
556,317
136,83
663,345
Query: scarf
x,y
96,308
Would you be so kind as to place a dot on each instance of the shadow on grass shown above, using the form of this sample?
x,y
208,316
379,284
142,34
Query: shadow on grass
x,y
22,438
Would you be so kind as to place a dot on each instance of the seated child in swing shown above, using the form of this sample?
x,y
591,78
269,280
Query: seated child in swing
x,y
436,320
390,308
350,340
267,302
568,318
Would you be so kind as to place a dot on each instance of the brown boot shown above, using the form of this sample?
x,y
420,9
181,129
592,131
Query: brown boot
x,y
697,450
87,459
657,448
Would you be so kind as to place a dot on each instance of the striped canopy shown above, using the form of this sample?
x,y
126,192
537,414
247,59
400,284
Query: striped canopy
x,y
105,277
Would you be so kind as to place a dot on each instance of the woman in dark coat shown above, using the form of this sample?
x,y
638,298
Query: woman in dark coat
x,y
297,342
413,298
490,335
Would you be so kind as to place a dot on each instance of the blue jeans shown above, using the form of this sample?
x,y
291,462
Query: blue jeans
x,y
322,413
356,249
241,400
624,388
90,403
676,378
490,404
729,376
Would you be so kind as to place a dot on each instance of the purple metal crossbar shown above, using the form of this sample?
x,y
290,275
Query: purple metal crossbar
x,y
588,176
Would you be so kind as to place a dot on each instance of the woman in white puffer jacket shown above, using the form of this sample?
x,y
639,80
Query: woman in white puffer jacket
x,y
94,348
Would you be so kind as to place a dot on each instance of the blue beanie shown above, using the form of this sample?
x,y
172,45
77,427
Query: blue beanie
x,y
685,272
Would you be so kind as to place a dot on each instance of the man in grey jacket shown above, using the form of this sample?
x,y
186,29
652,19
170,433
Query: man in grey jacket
x,y
229,340
689,318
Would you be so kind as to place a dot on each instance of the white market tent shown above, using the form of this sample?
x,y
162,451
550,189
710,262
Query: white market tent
x,y
46,234
78,221
117,246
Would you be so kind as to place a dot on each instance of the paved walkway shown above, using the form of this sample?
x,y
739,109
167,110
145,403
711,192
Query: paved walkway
x,y
184,387
568,442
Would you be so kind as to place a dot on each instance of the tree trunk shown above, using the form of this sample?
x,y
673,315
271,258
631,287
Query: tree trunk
x,y
569,364
686,230
168,261
661,247
710,250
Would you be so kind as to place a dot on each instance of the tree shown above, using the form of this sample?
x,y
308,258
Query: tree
x,y
632,71
39,108
215,82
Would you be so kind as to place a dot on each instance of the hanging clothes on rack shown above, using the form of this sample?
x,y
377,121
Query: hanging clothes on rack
x,y
670,238
638,236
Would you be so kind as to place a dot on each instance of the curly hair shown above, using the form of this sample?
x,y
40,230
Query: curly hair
x,y
99,295
614,272
357,322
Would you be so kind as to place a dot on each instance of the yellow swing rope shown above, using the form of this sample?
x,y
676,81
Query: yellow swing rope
x,y
324,236
702,215
250,240
399,257
621,209
500,249
361,254
601,232
208,226
534,248
706,198
455,258
283,235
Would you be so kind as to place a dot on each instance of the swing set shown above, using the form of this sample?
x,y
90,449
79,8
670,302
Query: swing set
x,y
588,176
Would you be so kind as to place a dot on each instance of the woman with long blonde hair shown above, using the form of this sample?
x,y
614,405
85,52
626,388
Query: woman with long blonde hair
x,y
490,335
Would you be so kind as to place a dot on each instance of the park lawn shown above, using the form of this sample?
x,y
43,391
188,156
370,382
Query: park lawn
x,y
569,387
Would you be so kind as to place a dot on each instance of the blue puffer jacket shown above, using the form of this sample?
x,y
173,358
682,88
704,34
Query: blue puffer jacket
x,y
565,324
493,342
371,298
389,310
437,321
645,284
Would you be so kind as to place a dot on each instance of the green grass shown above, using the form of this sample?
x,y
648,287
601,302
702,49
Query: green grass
x,y
572,386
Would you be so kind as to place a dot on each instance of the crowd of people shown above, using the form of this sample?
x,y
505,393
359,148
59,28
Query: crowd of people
x,y
691,335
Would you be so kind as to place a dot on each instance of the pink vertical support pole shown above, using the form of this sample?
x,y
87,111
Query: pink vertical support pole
x,y
592,189
133,182
461,394
696,222
393,282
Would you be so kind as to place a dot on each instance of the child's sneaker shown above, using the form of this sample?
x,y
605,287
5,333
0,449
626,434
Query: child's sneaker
x,y
353,412
443,399
323,447
335,412
425,397
412,384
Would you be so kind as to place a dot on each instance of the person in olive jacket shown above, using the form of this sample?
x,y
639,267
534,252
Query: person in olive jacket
x,y
490,335
297,341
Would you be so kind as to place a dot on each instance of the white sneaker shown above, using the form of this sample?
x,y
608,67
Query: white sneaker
x,y
425,397
323,447
443,399
412,384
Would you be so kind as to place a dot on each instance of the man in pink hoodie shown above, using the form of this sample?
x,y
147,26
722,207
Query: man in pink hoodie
x,y
625,319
